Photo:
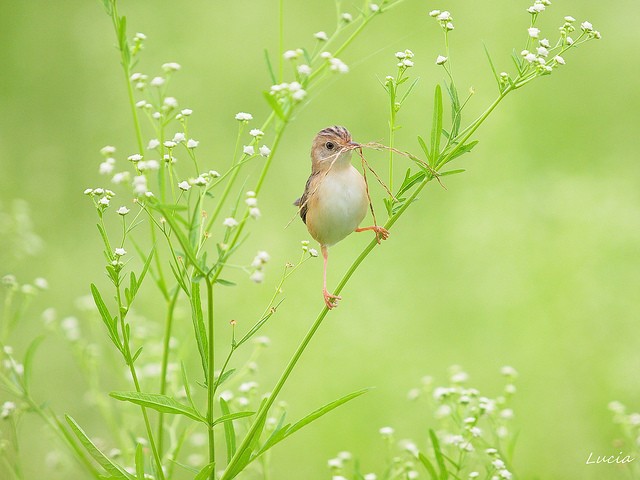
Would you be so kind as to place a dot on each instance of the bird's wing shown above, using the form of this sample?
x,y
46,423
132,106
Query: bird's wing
x,y
301,203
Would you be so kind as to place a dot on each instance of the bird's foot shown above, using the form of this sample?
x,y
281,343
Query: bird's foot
x,y
330,300
381,233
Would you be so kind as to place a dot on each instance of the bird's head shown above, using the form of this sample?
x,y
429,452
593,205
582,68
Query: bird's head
x,y
333,145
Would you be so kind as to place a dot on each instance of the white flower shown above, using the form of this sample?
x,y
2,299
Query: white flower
x,y
586,26
346,17
230,222
475,431
192,143
257,276
157,81
251,202
474,475
400,55
41,283
288,55
499,464
170,144
434,13
104,201
334,463
313,252
254,212
325,55
441,60
507,413
506,474
186,112
569,41
543,52
184,186
449,26
530,57
119,252
533,32
156,115
140,36
120,177
122,211
107,150
213,174
200,181
444,16
322,36
370,476
7,409
559,60
299,95
265,151
106,168
338,65
407,63
136,157
386,431
170,102
171,67
248,150
179,137
304,69
256,132
148,165
244,117
374,7
141,104
153,143
536,8
545,43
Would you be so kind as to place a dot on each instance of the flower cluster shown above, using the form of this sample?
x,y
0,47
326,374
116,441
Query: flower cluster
x,y
335,64
252,203
305,248
101,197
257,266
444,18
293,91
404,59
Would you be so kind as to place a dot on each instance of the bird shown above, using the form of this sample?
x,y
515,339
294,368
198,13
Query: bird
x,y
335,198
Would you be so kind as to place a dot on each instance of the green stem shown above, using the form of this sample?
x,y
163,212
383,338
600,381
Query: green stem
x,y
210,375
165,362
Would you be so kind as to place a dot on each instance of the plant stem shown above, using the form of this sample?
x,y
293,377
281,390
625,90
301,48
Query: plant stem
x,y
210,374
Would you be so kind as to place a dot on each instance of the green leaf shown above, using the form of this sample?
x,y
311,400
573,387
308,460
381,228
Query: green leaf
x,y
139,462
425,149
160,403
444,474
205,472
452,172
182,238
428,465
28,360
229,431
272,75
276,436
456,111
436,126
274,104
232,416
411,87
461,150
259,324
116,471
493,68
225,283
223,378
199,328
110,322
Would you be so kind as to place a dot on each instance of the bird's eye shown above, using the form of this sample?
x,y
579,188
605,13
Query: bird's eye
x,y
329,145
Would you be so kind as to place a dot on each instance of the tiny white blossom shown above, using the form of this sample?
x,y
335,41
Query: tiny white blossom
x,y
107,150
257,276
313,252
586,26
569,19
290,55
325,55
88,191
136,157
545,43
449,26
213,174
186,112
248,150
170,102
200,181
559,60
179,137
119,252
41,283
434,13
254,212
370,476
533,32
104,201
120,177
322,36
441,60
499,464
506,474
347,17
543,52
334,463
407,63
106,168
153,143
374,7
444,16
256,132
265,151
386,431
157,81
141,104
122,211
192,143
251,202
530,57
569,41
299,95
304,69
156,115
338,65
242,116
171,67
170,144
230,222
184,186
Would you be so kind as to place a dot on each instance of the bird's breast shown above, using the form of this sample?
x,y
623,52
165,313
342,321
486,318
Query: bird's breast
x,y
337,206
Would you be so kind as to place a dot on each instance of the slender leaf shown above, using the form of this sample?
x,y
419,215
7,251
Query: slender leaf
x,y
199,328
110,322
425,149
411,87
493,68
272,75
452,172
206,471
116,471
232,416
225,283
28,360
428,465
139,462
275,106
161,403
229,431
223,378
436,126
444,474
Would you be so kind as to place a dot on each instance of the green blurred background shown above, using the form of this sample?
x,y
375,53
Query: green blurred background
x,y
530,258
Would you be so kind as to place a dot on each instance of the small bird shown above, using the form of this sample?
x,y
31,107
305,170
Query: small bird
x,y
335,198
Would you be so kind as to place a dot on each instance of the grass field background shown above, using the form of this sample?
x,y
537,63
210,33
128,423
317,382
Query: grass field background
x,y
530,258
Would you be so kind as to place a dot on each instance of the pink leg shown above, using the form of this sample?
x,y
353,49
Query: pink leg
x,y
330,300
381,232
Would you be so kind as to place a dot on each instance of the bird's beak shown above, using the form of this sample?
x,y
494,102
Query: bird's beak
x,y
354,145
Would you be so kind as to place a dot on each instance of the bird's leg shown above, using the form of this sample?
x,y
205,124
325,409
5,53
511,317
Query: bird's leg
x,y
329,299
381,232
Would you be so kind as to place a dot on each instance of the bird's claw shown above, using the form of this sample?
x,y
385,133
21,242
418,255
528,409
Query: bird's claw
x,y
330,300
381,234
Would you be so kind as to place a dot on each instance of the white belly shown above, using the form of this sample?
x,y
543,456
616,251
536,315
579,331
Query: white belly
x,y
338,206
